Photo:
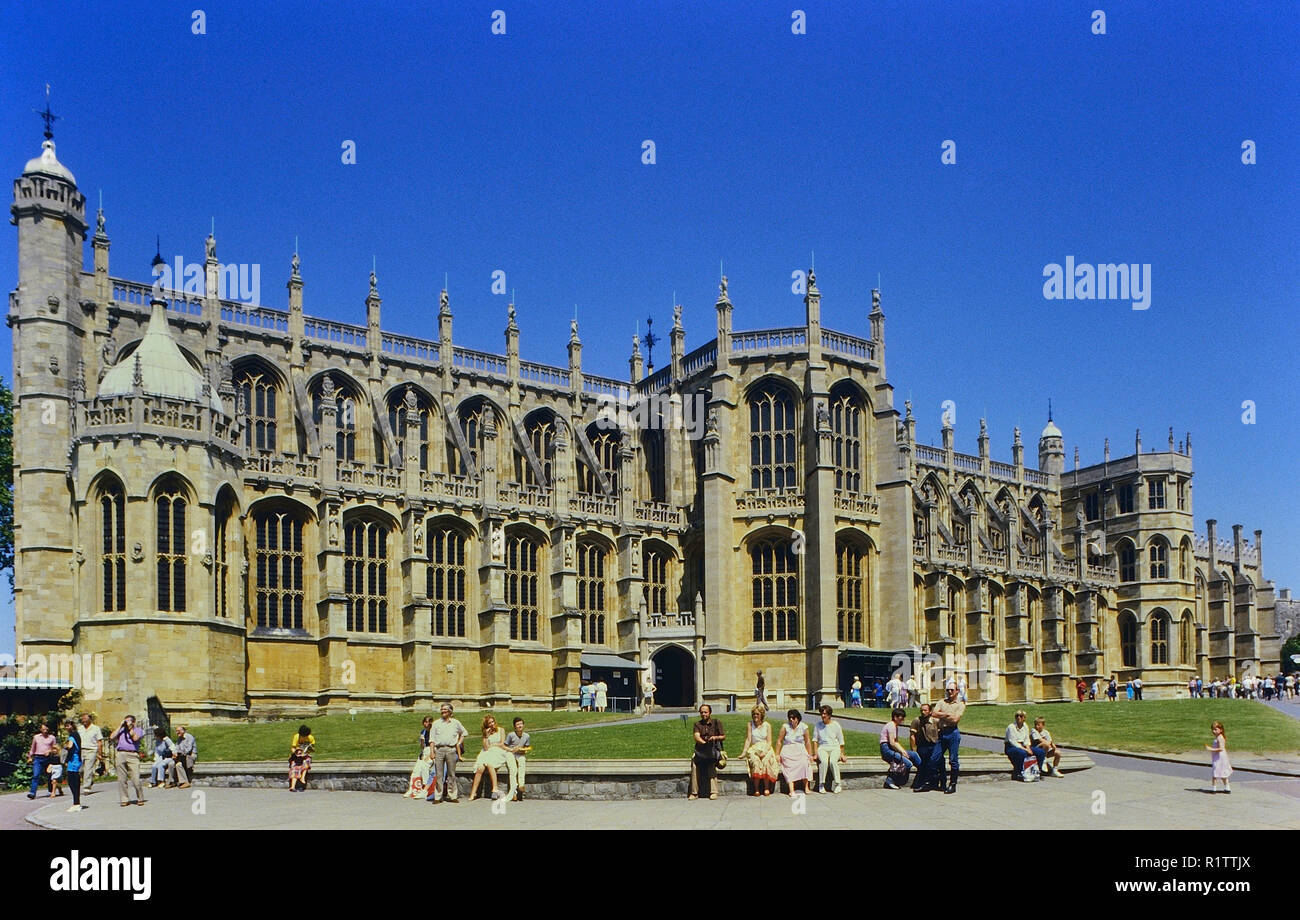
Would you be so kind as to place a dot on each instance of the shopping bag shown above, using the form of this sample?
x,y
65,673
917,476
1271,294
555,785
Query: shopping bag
x,y
1030,771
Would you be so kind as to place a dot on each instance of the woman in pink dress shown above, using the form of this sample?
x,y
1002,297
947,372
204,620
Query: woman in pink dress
x,y
796,751
1222,767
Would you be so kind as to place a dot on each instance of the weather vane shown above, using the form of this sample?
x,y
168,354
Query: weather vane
x,y
650,340
49,117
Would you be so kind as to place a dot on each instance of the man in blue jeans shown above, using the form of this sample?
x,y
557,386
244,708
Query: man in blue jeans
x,y
891,752
949,713
43,752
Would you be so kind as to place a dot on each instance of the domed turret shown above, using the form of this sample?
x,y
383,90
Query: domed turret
x,y
1051,447
164,369
47,164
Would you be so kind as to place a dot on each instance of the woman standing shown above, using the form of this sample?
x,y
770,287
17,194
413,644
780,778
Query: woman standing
x,y
72,763
758,752
1221,766
796,751
855,693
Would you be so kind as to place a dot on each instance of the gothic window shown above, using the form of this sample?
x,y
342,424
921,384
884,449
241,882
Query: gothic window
x,y
278,565
1158,555
1160,638
996,540
112,515
604,443
1092,506
403,432
221,558
345,419
846,440
655,590
1127,562
1128,639
522,574
591,591
172,540
1185,639
954,611
959,534
652,441
259,395
365,575
1184,562
1182,495
851,590
540,428
1155,494
772,458
775,584
475,419
444,580
1124,498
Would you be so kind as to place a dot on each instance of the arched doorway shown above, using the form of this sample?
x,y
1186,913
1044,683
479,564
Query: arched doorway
x,y
674,676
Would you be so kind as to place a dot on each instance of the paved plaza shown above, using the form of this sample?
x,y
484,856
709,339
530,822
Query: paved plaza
x,y
1102,798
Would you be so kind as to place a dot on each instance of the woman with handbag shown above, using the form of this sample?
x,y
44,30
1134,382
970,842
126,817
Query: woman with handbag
x,y
709,736
758,753
796,752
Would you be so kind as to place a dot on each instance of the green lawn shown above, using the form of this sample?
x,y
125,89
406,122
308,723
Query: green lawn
x,y
1164,726
370,736
670,739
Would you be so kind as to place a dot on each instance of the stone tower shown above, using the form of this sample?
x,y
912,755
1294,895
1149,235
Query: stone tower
x,y
1051,449
49,333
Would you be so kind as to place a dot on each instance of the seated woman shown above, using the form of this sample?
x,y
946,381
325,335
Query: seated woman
x,y
300,751
1016,745
900,759
494,756
758,752
1040,740
796,751
163,752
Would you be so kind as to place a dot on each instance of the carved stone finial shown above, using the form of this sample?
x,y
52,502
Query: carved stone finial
x,y
444,302
907,405
677,316
137,377
722,288
80,382
711,420
823,417
374,283
210,248
327,386
99,224
573,330
293,268
409,399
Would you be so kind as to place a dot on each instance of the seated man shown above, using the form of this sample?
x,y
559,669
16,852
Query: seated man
x,y
894,754
1017,745
1040,741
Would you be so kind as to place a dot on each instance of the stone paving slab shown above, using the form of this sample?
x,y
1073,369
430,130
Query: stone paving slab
x,y
1131,800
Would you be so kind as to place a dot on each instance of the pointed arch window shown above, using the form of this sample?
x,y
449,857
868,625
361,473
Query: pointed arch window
x,y
365,575
345,419
1128,631
112,515
445,579
522,576
258,389
605,445
772,457
1158,555
170,530
476,419
655,590
404,431
278,559
775,591
1160,638
591,591
846,441
1127,562
540,428
852,580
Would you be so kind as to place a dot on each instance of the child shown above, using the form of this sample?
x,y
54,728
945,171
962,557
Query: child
x,y
302,738
298,768
1222,768
519,744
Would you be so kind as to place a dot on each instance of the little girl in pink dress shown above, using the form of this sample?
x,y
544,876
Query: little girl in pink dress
x,y
1222,767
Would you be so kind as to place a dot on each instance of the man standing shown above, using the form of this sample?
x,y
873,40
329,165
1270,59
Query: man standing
x,y
187,750
43,752
949,713
92,750
447,737
913,691
924,738
760,691
648,689
1137,688
828,749
704,764
126,742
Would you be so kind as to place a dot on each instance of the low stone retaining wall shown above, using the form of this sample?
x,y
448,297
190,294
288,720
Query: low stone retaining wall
x,y
583,779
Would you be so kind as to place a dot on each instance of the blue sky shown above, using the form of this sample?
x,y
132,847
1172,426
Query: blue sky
x,y
522,152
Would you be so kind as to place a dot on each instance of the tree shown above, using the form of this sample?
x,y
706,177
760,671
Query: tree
x,y
7,481
1289,648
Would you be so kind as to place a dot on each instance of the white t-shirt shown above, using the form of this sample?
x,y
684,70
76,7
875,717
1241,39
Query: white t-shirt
x,y
90,739
1018,736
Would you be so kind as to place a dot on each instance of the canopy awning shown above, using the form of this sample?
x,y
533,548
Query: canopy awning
x,y
593,660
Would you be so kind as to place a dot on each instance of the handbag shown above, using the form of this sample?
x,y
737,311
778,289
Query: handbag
x,y
1030,770
720,756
